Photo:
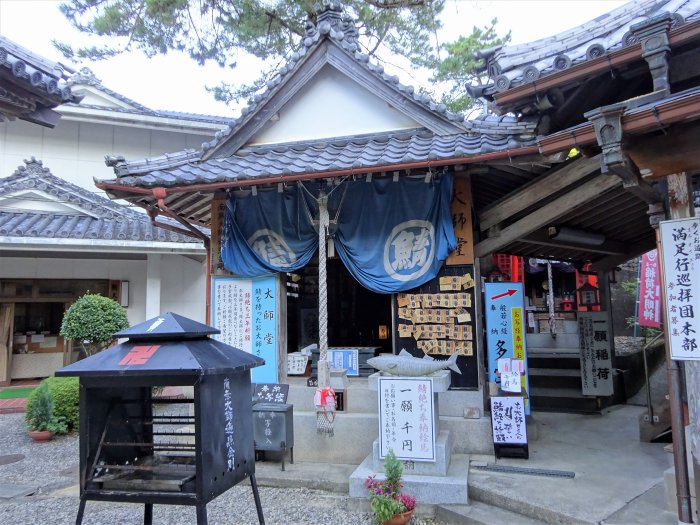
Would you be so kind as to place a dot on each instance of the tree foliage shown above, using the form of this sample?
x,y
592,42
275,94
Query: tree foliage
x,y
223,31
92,320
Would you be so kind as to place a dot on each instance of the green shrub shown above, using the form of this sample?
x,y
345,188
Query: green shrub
x,y
92,320
65,392
39,411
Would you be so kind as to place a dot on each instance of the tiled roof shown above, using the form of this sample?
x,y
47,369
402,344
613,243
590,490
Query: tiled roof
x,y
31,82
86,77
279,160
512,66
101,218
342,32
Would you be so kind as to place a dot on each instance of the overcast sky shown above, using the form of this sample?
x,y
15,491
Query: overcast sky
x,y
174,82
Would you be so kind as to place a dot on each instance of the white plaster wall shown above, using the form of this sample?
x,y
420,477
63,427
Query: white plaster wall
x,y
183,289
75,151
332,105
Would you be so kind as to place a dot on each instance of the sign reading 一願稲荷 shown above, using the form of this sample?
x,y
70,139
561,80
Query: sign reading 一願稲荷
x,y
245,310
680,249
505,328
596,358
406,422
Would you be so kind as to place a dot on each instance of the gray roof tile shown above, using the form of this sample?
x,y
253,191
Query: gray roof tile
x,y
107,220
511,66
364,152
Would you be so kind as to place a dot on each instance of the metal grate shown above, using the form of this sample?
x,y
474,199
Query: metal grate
x,y
524,470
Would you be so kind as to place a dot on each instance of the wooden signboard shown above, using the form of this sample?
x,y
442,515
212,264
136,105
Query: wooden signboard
x,y
461,208
437,319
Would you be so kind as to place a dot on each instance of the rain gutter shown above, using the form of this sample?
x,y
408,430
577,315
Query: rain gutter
x,y
681,35
634,121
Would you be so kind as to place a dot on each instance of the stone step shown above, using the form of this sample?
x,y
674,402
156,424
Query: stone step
x,y
478,513
554,377
438,490
566,340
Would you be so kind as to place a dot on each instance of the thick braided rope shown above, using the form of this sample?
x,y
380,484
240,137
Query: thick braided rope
x,y
323,223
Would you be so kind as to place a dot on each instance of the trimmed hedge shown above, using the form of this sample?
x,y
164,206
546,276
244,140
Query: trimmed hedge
x,y
65,392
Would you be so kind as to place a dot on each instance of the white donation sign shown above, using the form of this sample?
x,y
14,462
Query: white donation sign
x,y
406,422
680,250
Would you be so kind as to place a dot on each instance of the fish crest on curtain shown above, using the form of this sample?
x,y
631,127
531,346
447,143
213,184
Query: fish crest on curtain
x,y
390,235
394,235
268,232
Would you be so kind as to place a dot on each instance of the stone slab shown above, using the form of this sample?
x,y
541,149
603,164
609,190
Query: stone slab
x,y
439,467
437,490
11,490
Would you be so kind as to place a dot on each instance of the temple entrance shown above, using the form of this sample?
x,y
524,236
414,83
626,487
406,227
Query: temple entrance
x,y
356,315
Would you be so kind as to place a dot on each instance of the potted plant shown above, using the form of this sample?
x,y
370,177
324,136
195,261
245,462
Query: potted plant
x,y
389,505
92,320
39,417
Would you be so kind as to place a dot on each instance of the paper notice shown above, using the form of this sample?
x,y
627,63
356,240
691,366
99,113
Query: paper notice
x,y
464,317
37,338
467,281
402,300
510,382
405,330
19,339
450,283
405,313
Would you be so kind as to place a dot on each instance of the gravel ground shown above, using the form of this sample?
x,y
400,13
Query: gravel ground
x,y
53,468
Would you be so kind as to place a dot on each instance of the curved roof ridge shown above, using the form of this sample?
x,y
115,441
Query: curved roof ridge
x,y
342,31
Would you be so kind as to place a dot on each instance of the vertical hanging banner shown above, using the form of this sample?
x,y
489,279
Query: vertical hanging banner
x,y
505,329
596,358
245,310
406,421
649,307
461,210
680,255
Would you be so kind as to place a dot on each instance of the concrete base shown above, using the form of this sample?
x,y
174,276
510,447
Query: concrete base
x,y
356,428
452,488
353,437
439,467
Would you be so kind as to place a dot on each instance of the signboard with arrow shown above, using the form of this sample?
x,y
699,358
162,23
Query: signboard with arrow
x,y
505,330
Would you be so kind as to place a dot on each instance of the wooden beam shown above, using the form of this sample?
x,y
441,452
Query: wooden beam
x,y
677,151
607,247
543,187
547,214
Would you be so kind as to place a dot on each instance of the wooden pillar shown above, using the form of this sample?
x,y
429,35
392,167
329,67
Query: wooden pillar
x,y
680,206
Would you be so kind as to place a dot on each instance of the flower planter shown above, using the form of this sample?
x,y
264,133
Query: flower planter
x,y
41,435
400,519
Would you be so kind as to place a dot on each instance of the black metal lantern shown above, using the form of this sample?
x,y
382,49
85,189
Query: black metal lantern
x,y
137,446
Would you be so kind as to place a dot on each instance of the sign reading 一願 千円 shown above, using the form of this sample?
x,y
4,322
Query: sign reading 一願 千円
x,y
406,422
505,328
245,310
680,251
596,358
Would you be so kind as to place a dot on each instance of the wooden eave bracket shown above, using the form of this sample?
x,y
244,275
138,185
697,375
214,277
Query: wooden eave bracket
x,y
607,122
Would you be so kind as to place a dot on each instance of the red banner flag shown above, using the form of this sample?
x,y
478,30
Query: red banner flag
x,y
649,307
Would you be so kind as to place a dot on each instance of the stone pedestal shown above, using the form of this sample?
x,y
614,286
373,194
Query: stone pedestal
x,y
443,481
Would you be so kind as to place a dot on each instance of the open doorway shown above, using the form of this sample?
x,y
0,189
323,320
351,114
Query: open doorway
x,y
357,317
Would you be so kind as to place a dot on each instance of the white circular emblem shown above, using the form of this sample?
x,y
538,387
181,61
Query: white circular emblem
x,y
409,250
272,248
